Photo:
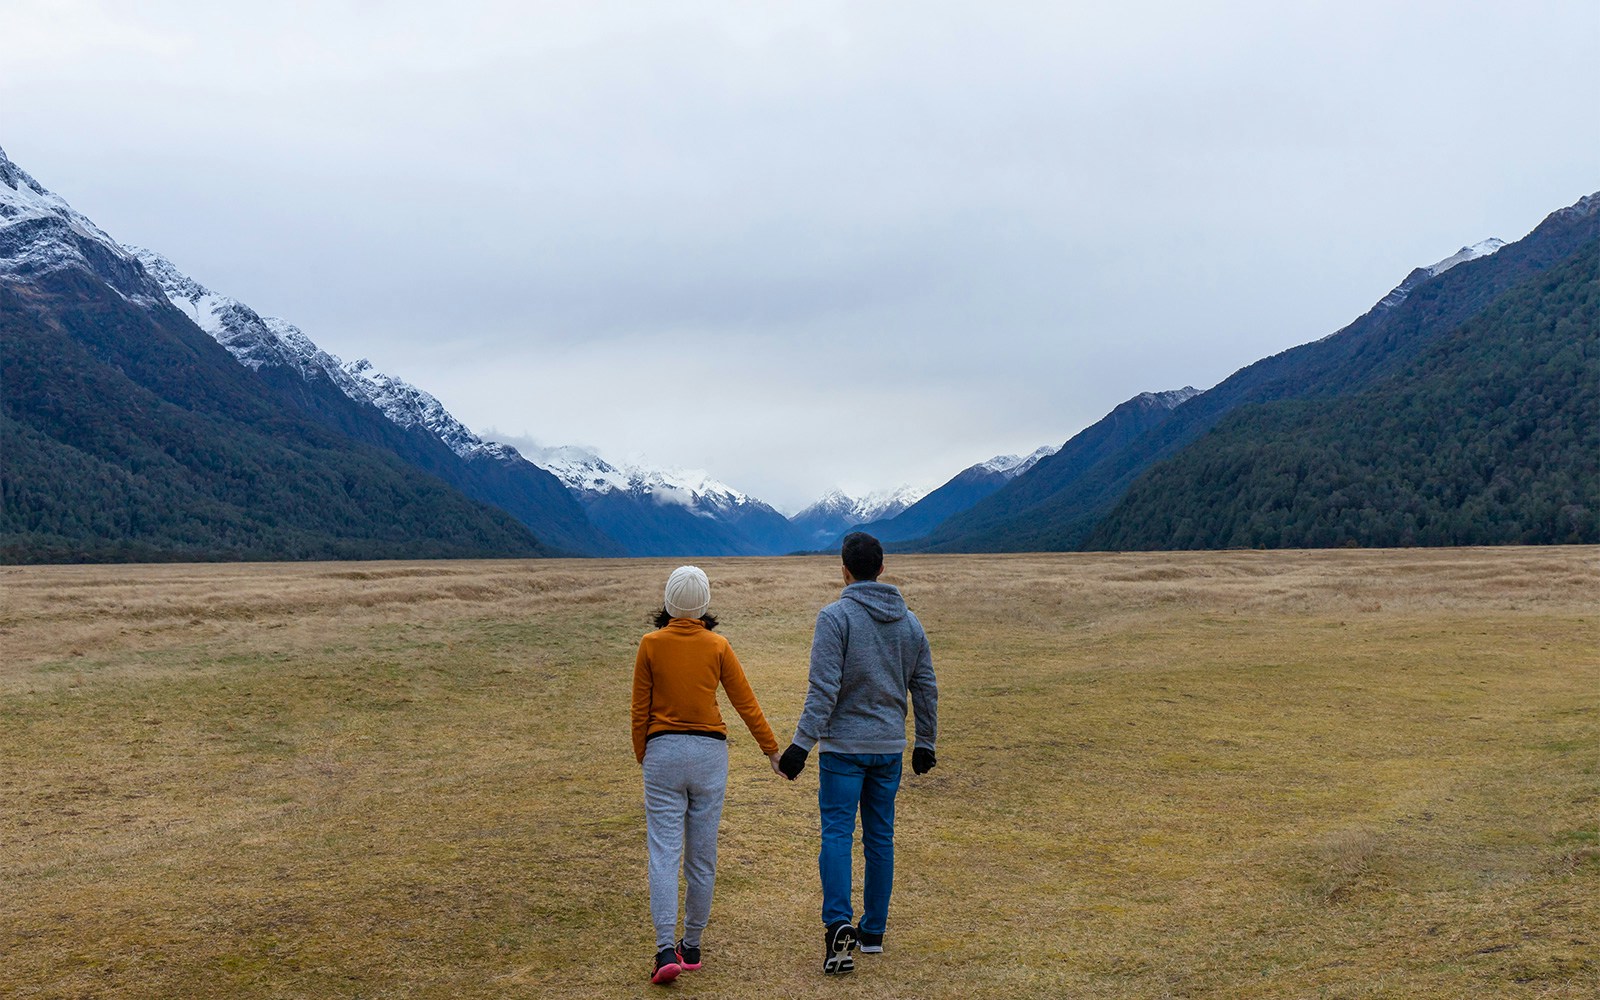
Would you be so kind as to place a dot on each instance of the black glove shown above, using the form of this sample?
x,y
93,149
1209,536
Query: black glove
x,y
922,760
792,762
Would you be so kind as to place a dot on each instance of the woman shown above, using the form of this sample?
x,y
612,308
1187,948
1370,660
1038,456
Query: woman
x,y
681,742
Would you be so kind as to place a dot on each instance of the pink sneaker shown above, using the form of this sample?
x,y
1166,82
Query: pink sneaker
x,y
667,967
688,957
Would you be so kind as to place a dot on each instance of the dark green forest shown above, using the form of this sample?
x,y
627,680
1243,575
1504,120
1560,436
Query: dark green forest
x,y
1490,436
1063,504
127,434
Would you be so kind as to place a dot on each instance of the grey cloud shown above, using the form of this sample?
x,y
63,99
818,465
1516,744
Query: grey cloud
x,y
1017,214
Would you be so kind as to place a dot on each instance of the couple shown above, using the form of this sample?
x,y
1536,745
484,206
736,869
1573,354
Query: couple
x,y
867,655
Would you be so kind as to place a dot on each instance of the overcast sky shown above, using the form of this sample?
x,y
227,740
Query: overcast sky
x,y
805,245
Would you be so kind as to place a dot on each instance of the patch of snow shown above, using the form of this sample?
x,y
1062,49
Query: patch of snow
x,y
584,471
1482,248
1012,466
1584,207
40,233
1400,292
882,504
1171,398
840,507
23,199
257,341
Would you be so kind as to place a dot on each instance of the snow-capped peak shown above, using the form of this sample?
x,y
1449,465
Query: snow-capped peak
x,y
254,340
875,506
41,233
584,471
579,469
831,502
1171,398
1482,248
1398,294
258,341
1012,466
22,198
409,406
881,504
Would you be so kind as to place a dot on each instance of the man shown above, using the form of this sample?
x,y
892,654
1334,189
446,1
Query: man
x,y
868,654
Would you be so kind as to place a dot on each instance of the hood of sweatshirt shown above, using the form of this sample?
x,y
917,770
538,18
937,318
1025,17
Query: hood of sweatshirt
x,y
881,600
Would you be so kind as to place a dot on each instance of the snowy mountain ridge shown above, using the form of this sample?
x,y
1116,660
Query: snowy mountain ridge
x,y
1013,466
732,522
409,406
879,504
665,512
254,340
1169,398
1398,294
584,471
257,341
1482,248
41,233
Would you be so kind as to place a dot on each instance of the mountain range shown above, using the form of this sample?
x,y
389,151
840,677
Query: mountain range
x,y
822,524
571,501
128,433
1065,500
147,417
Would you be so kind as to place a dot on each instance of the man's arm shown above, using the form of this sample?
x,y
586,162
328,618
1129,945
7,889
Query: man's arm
x,y
827,673
925,696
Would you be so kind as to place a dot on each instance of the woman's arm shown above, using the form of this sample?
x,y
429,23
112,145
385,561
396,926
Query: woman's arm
x,y
641,701
744,702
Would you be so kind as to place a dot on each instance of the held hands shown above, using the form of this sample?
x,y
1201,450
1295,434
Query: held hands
x,y
793,760
791,763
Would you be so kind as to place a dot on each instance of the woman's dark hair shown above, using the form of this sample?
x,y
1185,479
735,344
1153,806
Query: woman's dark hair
x,y
662,619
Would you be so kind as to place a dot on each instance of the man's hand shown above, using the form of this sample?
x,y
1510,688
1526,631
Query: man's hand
x,y
792,762
922,760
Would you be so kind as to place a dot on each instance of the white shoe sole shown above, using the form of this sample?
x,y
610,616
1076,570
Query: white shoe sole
x,y
841,961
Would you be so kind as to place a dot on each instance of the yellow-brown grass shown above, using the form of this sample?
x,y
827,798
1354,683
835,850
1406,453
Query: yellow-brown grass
x,y
1302,774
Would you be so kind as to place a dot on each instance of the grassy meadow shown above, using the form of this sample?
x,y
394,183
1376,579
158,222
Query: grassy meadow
x,y
1242,774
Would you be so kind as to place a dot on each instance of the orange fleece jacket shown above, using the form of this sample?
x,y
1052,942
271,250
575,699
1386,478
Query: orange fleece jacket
x,y
675,678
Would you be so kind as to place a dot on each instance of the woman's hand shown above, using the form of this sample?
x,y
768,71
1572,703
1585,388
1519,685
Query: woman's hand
x,y
774,757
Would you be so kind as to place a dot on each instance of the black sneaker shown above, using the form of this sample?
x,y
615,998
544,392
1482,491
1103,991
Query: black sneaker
x,y
840,939
688,957
667,967
871,944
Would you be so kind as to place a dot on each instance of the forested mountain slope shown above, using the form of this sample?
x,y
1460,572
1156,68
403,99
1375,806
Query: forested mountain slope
x,y
1429,304
1490,436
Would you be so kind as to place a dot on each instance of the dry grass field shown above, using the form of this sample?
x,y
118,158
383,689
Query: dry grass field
x,y
1294,774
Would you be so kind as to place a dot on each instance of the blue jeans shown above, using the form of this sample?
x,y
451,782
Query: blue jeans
x,y
845,781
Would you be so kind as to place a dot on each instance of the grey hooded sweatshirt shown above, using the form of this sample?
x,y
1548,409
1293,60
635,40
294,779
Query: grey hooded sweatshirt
x,y
868,653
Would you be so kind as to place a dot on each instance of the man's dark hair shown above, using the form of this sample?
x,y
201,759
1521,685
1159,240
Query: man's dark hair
x,y
862,555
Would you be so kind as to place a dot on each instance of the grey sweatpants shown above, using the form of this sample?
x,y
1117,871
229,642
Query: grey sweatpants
x,y
685,778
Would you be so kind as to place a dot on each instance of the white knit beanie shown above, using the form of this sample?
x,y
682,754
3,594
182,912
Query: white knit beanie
x,y
688,592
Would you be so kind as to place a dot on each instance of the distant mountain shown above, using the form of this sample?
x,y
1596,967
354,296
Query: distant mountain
x,y
988,524
410,422
821,525
127,433
1490,435
962,492
652,512
1429,304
